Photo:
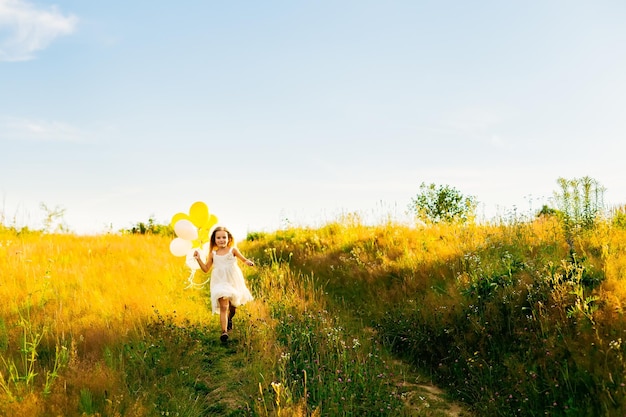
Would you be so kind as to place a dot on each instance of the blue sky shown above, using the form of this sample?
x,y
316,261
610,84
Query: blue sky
x,y
277,112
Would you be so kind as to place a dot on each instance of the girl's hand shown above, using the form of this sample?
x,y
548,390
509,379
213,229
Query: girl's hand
x,y
249,263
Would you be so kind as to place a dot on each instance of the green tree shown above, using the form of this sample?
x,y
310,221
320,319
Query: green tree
x,y
442,204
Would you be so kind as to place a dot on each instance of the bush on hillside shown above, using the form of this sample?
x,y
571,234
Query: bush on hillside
x,y
442,204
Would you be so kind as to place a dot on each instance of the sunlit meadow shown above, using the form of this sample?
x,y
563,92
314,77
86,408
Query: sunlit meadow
x,y
506,317
348,320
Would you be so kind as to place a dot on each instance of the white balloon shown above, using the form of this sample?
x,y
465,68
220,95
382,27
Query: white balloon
x,y
191,260
180,247
186,230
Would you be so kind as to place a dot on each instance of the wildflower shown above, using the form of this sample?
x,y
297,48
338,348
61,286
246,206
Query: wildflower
x,y
615,344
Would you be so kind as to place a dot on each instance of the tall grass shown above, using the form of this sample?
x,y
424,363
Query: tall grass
x,y
324,368
505,317
68,302
102,325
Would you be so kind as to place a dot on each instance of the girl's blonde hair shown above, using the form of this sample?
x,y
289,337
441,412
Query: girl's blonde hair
x,y
231,240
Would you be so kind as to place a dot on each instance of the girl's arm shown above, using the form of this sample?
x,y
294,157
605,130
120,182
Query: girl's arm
x,y
243,258
204,266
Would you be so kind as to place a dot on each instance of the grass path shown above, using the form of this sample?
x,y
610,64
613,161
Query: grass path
x,y
225,364
230,384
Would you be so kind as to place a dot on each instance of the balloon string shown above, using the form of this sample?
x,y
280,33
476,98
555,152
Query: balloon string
x,y
193,284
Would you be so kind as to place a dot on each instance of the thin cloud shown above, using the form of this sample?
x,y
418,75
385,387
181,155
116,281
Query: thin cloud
x,y
40,130
26,29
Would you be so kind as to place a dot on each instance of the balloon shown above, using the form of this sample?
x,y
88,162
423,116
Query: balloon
x,y
203,235
191,260
186,230
192,231
212,221
177,217
199,213
179,247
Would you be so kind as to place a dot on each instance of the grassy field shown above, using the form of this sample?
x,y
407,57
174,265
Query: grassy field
x,y
348,320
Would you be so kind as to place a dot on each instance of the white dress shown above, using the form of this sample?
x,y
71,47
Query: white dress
x,y
227,281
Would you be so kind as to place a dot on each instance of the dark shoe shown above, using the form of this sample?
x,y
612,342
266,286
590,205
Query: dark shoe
x,y
224,337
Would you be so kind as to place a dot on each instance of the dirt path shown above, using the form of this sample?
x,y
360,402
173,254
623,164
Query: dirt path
x,y
428,400
424,399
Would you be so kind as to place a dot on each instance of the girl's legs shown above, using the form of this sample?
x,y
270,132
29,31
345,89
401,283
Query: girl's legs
x,y
231,312
224,310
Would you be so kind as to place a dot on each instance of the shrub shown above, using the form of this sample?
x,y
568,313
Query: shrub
x,y
442,204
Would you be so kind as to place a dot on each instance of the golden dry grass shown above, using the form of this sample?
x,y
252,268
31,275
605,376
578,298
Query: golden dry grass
x,y
84,294
77,284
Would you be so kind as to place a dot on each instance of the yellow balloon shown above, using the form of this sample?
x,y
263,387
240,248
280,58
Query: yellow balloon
x,y
177,217
203,235
199,213
211,221
200,217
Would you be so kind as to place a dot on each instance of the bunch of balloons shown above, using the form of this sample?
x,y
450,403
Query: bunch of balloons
x,y
192,234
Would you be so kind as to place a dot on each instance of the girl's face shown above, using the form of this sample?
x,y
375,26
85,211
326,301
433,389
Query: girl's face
x,y
221,238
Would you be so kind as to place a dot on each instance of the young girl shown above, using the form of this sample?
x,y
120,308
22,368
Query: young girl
x,y
228,288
